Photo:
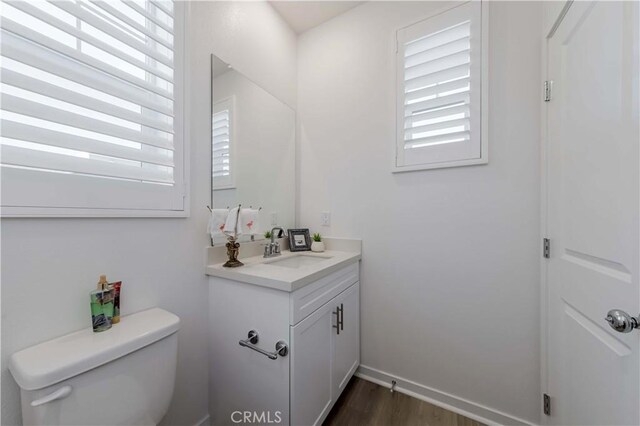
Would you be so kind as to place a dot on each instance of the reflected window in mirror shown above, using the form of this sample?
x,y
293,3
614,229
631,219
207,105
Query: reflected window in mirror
x,y
223,141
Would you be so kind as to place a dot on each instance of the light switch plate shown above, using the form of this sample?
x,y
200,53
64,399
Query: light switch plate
x,y
325,218
274,218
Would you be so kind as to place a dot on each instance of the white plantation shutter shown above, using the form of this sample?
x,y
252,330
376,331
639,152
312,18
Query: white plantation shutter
x,y
223,139
221,143
439,77
91,105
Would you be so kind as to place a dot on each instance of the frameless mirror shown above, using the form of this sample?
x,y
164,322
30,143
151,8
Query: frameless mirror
x,y
253,147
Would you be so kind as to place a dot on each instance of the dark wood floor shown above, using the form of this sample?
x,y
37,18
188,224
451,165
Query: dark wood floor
x,y
365,403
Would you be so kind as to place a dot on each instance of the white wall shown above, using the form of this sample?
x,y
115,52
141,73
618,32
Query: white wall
x,y
450,277
254,39
50,265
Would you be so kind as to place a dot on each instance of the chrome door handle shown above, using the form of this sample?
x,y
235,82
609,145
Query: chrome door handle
x,y
61,393
621,321
252,339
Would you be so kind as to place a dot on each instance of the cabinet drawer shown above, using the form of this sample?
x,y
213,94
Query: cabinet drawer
x,y
311,297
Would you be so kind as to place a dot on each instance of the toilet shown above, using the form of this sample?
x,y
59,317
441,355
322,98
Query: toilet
x,y
122,376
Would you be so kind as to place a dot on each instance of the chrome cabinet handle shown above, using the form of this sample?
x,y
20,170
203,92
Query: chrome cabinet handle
x,y
339,313
61,393
252,339
621,321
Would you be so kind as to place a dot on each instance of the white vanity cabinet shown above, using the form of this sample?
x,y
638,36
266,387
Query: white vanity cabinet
x,y
320,322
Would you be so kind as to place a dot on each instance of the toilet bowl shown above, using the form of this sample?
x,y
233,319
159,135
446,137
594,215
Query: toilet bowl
x,y
122,376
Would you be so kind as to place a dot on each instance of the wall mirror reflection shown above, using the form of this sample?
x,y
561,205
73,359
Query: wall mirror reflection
x,y
253,152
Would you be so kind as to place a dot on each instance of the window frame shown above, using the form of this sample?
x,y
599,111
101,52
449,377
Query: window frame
x,y
180,193
398,165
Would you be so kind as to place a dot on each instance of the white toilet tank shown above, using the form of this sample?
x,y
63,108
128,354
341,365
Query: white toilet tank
x,y
122,376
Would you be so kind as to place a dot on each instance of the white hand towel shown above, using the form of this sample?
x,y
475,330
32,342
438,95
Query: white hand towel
x,y
232,223
250,221
217,222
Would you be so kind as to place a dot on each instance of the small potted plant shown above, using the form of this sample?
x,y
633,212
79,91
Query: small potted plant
x,y
317,245
267,235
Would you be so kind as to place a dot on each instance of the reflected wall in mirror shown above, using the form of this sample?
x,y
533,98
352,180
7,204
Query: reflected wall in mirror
x,y
253,150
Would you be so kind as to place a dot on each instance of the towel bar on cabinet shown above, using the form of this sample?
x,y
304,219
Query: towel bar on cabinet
x,y
252,339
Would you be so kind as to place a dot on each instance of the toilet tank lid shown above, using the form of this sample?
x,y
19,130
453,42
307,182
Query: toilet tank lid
x,y
59,359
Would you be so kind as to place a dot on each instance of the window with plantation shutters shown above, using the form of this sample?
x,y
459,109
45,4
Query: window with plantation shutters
x,y
91,107
223,139
440,74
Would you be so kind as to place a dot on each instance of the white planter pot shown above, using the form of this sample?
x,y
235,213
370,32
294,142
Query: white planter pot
x,y
317,246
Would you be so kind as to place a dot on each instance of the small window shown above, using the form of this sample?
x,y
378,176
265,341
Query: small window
x,y
223,145
441,118
92,108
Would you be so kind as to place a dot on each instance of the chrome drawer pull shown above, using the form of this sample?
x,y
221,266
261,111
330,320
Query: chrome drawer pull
x,y
339,313
252,339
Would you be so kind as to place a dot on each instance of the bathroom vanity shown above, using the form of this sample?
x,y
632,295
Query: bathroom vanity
x,y
284,335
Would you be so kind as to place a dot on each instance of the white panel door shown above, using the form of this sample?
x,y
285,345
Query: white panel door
x,y
311,366
592,167
346,348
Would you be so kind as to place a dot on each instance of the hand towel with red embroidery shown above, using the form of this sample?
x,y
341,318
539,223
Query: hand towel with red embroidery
x,y
217,221
250,221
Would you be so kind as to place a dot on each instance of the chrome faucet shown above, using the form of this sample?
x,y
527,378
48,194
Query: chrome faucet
x,y
272,249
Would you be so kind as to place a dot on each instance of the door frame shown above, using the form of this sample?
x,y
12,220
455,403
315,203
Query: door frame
x,y
544,192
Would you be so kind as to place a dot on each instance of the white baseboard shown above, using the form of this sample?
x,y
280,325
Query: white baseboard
x,y
445,400
205,421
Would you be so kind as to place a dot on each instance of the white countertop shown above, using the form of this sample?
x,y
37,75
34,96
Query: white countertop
x,y
258,271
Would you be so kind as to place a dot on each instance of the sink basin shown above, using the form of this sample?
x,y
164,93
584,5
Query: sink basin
x,y
298,261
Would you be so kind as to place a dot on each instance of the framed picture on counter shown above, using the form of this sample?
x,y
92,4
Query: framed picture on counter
x,y
299,239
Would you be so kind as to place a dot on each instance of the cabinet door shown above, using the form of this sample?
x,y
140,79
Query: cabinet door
x,y
311,359
346,356
241,379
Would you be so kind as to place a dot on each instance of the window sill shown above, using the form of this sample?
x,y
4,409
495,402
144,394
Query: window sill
x,y
44,212
443,165
223,187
